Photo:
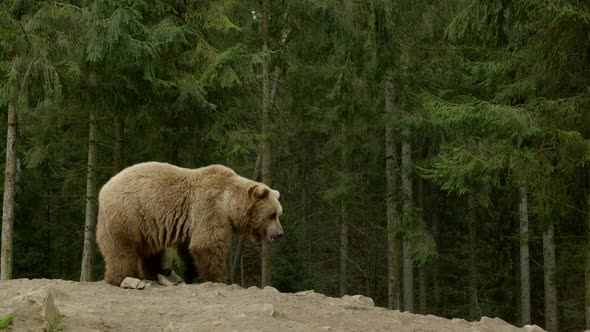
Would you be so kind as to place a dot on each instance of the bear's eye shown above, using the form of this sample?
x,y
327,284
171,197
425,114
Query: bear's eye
x,y
273,216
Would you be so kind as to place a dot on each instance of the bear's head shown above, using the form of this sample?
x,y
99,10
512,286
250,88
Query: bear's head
x,y
263,214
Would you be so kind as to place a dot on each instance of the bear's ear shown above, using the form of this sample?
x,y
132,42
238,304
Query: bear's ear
x,y
258,191
277,193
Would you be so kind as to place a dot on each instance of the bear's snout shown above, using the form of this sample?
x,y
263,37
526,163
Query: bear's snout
x,y
274,231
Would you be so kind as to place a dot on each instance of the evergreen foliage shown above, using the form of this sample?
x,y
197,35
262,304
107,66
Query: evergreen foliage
x,y
491,95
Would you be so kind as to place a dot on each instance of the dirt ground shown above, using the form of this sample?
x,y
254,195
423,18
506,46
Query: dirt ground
x,y
98,306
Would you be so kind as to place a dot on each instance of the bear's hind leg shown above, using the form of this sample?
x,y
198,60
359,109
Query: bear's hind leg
x,y
119,264
150,266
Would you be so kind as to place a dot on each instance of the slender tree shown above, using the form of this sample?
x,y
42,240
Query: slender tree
x,y
551,313
91,196
394,264
9,193
118,142
343,251
587,267
422,268
27,67
408,265
474,311
266,278
436,265
525,278
343,220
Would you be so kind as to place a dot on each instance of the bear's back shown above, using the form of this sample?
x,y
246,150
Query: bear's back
x,y
213,170
156,177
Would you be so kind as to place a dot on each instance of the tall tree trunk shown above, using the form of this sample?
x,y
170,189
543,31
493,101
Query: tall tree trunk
x,y
343,223
91,202
408,266
473,303
551,319
587,267
422,270
422,285
525,279
436,266
370,260
9,193
394,264
48,237
343,251
266,151
118,137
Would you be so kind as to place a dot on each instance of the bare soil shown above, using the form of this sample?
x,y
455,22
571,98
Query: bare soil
x,y
97,306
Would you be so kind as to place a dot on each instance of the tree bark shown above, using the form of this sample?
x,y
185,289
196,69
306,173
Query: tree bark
x,y
118,137
551,319
587,267
343,223
525,279
91,202
266,150
9,194
436,265
422,285
343,252
472,220
422,270
47,252
394,264
408,266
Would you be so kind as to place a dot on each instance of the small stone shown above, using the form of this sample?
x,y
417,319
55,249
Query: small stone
x,y
304,293
359,300
326,328
268,309
172,279
133,283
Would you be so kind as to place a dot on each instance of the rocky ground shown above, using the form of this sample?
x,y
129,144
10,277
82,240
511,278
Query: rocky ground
x,y
74,306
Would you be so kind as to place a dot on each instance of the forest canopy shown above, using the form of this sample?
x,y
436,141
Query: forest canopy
x,y
432,155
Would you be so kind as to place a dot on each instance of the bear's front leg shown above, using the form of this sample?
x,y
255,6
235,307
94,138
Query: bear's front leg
x,y
211,264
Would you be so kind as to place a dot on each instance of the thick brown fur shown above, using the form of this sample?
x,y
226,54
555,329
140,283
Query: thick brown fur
x,y
152,206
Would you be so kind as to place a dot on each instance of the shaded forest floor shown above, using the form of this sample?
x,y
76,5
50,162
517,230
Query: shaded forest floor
x,y
217,307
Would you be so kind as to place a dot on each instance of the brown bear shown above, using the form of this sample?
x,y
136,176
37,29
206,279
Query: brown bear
x,y
152,206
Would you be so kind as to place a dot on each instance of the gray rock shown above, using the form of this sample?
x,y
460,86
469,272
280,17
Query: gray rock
x,y
359,300
172,280
133,283
34,311
269,310
304,293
